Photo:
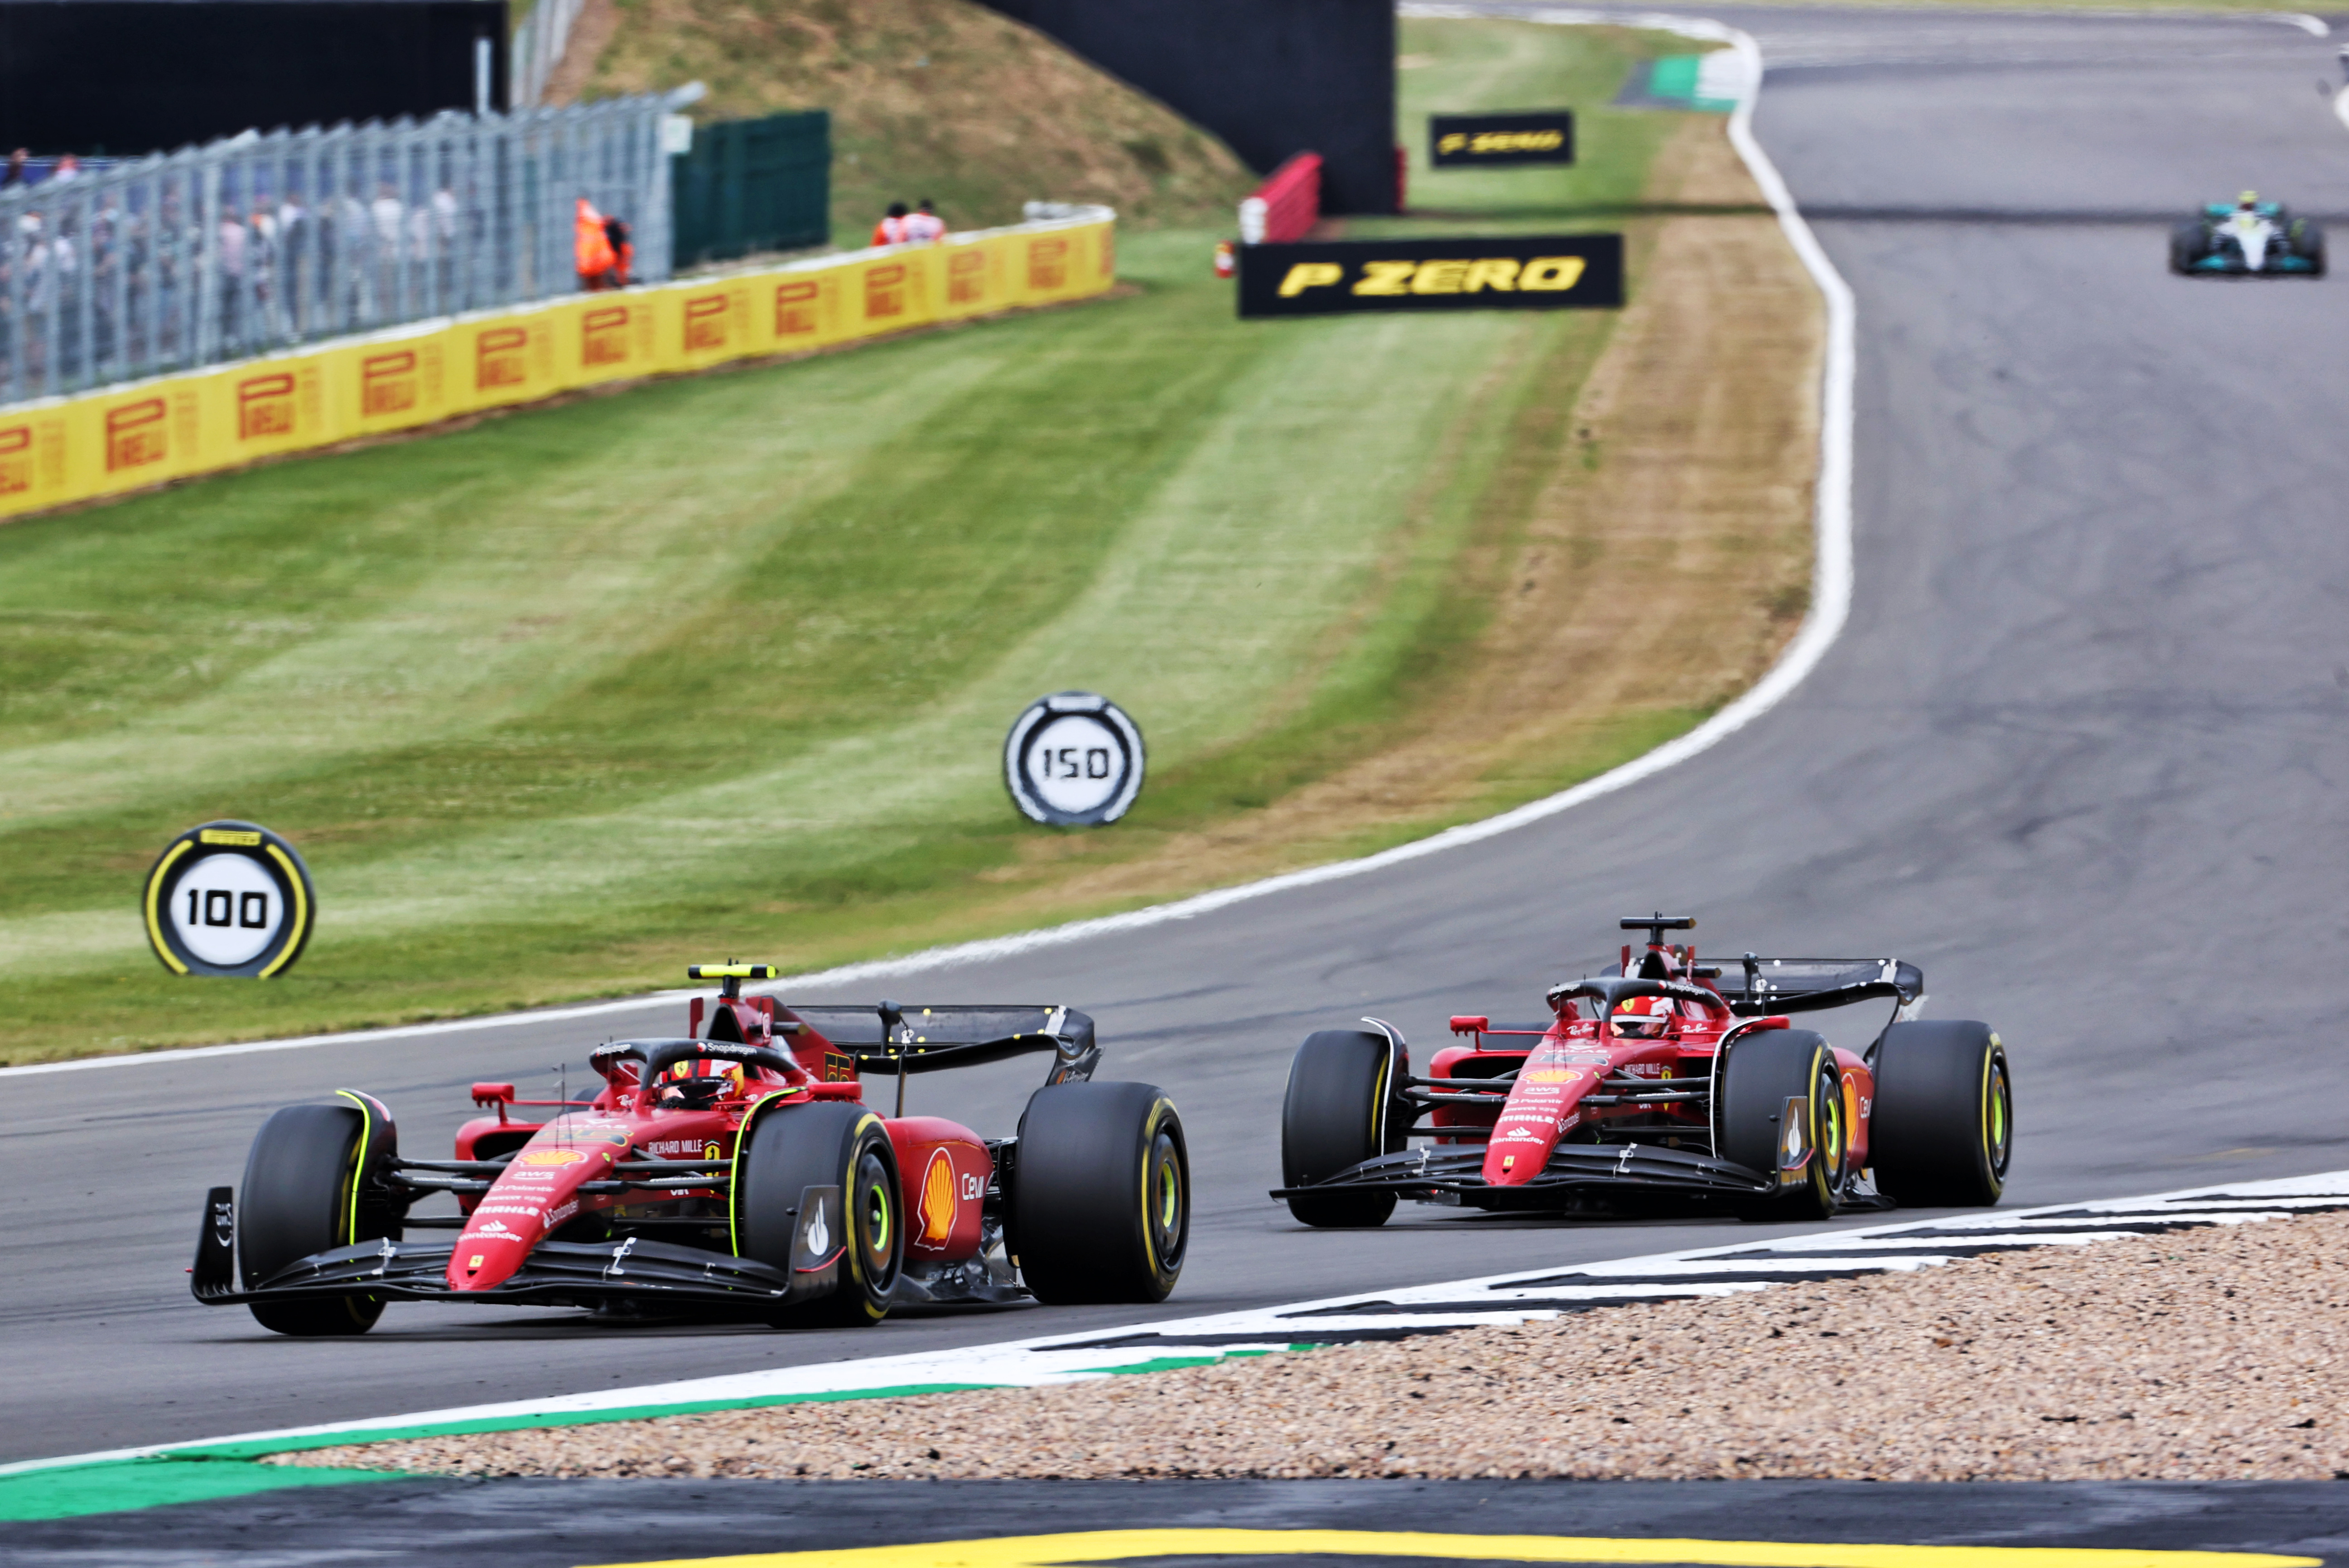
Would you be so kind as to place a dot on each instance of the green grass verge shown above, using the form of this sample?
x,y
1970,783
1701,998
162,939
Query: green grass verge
x,y
558,703
204,1473
1452,67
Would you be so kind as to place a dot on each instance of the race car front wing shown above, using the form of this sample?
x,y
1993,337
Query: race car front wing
x,y
558,1273
1440,1173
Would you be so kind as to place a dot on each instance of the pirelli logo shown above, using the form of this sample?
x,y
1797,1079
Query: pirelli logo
x,y
388,383
1521,136
137,435
796,304
705,323
1047,264
603,336
967,276
884,291
265,407
1508,274
502,358
15,459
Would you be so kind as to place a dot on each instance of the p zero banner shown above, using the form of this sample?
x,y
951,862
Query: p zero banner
x,y
1521,136
1534,273
130,437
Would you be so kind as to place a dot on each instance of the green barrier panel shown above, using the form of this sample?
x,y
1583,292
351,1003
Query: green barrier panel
x,y
752,186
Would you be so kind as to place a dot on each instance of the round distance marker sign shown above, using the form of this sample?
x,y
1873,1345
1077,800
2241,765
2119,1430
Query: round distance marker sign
x,y
1073,760
229,899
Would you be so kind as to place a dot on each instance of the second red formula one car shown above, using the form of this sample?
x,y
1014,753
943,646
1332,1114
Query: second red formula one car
x,y
735,1170
1667,1079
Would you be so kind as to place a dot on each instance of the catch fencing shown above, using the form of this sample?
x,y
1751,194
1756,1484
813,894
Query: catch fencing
x,y
262,242
63,450
539,40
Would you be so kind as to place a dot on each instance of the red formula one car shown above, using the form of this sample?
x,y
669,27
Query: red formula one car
x,y
735,1171
1667,1079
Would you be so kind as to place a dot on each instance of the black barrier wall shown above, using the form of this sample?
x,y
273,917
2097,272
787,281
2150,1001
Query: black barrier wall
x,y
131,77
1532,271
1272,78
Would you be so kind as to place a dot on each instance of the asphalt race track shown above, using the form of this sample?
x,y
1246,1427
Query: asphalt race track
x,y
558,1524
2079,754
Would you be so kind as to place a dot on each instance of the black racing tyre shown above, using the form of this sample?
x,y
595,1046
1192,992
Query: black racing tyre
x,y
1101,1198
1758,1074
825,1143
2312,245
2185,246
1340,1111
296,1199
1943,1129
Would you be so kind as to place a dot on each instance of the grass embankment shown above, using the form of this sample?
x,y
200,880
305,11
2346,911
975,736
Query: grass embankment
x,y
560,702
941,98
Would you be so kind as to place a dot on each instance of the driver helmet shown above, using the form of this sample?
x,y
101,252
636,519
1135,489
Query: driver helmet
x,y
2249,202
1642,1017
711,1068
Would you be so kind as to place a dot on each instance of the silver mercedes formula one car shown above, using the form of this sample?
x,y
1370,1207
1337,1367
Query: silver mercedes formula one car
x,y
2252,238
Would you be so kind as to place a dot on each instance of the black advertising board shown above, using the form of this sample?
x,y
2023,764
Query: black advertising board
x,y
1521,136
1534,272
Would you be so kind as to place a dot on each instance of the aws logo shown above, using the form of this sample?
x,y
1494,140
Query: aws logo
x,y
1318,279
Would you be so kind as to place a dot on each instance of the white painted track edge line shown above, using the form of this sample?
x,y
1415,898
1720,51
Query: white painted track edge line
x,y
1831,591
1263,1323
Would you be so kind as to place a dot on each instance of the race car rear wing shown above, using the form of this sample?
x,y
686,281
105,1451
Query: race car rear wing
x,y
1760,985
905,1037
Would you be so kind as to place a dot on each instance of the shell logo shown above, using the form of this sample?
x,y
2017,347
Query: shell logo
x,y
551,1157
938,1203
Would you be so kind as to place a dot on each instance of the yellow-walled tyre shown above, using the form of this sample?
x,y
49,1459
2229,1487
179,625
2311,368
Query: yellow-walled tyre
x,y
296,1200
1943,1134
1340,1111
1758,1077
830,1144
1100,1205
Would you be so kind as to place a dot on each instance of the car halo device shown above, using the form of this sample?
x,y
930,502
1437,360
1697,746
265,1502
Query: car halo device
x,y
229,899
1073,759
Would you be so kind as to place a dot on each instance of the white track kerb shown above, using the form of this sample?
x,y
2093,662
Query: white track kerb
x,y
1758,1263
1831,588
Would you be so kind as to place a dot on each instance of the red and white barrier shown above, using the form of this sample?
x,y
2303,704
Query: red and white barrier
x,y
1287,205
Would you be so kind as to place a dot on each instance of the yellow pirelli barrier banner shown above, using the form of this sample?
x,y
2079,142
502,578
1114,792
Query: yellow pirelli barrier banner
x,y
126,438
